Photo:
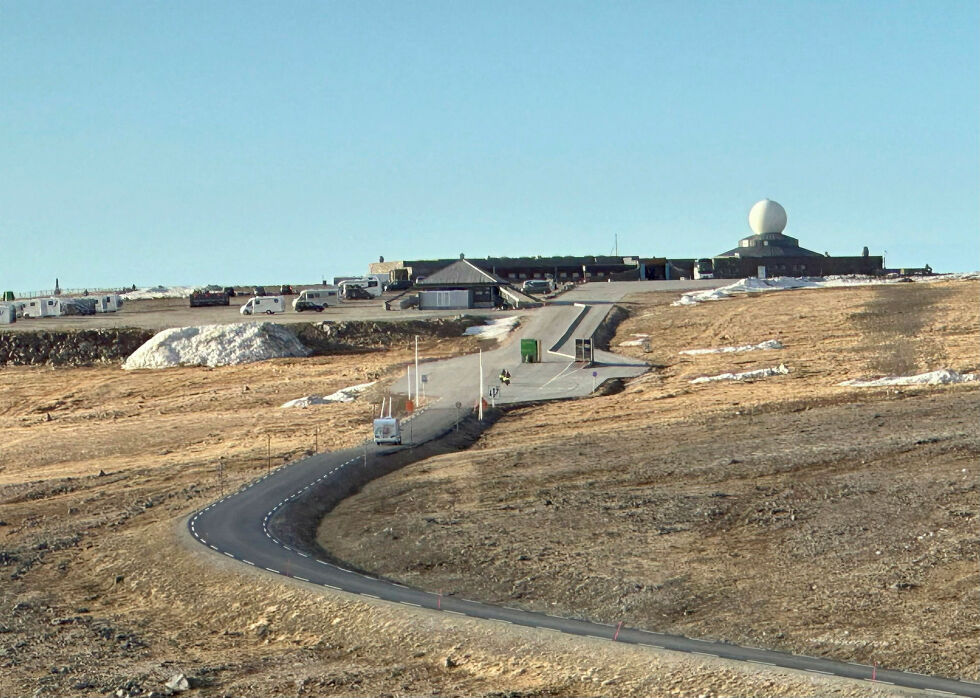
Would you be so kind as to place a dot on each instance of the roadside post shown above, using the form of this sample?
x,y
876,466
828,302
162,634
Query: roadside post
x,y
493,392
594,376
458,405
479,395
268,467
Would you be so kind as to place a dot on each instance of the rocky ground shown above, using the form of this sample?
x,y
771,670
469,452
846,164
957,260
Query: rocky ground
x,y
787,512
102,595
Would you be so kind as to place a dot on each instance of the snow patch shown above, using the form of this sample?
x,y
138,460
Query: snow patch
x,y
943,376
761,346
143,294
779,370
640,340
497,328
216,345
343,395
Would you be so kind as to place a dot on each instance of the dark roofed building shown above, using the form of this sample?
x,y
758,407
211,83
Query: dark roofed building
x,y
462,284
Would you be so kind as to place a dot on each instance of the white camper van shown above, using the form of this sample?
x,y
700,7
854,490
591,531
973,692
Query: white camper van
x,y
315,299
8,314
269,305
371,284
387,430
42,307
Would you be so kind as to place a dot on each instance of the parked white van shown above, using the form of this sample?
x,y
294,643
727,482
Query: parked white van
x,y
269,305
314,298
371,284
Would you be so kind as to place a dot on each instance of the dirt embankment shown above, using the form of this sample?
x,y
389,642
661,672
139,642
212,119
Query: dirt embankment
x,y
787,512
114,345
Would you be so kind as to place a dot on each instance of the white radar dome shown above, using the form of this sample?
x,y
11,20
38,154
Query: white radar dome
x,y
767,216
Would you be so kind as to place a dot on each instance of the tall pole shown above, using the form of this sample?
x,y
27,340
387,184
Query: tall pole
x,y
480,396
416,368
408,376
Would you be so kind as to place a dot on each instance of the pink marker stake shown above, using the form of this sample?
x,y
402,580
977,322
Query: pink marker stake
x,y
874,671
618,628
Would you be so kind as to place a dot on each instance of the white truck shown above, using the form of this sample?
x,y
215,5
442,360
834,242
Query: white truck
x,y
270,305
316,299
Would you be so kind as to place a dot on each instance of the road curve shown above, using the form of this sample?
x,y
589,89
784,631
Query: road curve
x,y
251,526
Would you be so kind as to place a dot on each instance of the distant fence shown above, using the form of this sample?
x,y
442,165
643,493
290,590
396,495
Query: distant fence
x,y
67,292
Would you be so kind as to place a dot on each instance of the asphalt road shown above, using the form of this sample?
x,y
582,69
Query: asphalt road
x,y
246,525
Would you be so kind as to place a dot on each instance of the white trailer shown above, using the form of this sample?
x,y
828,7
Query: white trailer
x,y
270,305
371,284
42,307
310,297
8,314
109,303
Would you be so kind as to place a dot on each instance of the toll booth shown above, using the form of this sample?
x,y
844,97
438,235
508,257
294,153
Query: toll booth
x,y
584,351
530,351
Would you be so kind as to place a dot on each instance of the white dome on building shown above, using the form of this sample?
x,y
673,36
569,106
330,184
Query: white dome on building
x,y
767,216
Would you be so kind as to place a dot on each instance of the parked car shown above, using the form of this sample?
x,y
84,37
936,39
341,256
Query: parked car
x,y
286,290
259,291
300,305
538,286
230,291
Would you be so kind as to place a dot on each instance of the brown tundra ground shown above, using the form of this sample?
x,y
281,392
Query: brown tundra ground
x,y
787,513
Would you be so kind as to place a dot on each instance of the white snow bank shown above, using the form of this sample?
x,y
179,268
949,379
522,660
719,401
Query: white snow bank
x,y
943,376
779,370
640,340
779,283
216,345
142,294
768,344
497,328
343,395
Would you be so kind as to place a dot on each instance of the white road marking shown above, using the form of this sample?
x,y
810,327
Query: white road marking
x,y
560,373
455,613
230,555
249,562
272,570
302,579
704,654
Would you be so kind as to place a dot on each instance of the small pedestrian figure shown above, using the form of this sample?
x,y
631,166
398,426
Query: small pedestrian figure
x,y
505,376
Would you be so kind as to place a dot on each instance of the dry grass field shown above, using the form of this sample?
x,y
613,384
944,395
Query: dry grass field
x,y
787,512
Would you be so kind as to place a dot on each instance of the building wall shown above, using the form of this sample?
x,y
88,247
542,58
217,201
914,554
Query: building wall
x,y
744,267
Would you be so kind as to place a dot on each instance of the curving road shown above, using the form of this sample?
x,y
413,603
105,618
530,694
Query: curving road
x,y
253,525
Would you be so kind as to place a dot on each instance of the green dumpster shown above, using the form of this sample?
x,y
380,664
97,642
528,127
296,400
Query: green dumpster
x,y
530,351
8,295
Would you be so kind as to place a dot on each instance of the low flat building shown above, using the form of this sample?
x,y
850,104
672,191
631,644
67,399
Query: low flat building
x,y
518,269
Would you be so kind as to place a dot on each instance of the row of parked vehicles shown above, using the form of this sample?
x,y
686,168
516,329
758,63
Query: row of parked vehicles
x,y
58,306
313,299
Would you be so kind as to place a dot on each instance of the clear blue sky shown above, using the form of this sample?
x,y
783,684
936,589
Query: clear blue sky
x,y
188,142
